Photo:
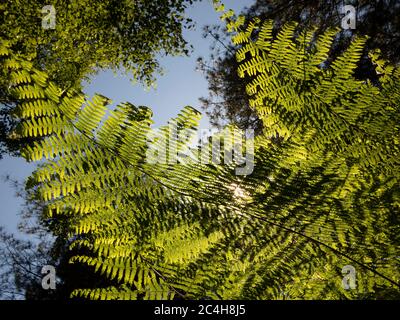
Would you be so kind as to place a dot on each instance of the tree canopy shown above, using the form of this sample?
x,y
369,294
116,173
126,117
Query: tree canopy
x,y
140,213
228,101
89,36
324,197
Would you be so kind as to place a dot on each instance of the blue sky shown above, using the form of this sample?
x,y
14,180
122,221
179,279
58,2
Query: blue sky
x,y
181,85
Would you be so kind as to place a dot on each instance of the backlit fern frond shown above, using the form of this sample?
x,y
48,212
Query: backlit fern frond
x,y
147,211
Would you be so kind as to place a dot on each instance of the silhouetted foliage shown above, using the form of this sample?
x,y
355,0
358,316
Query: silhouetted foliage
x,y
377,19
